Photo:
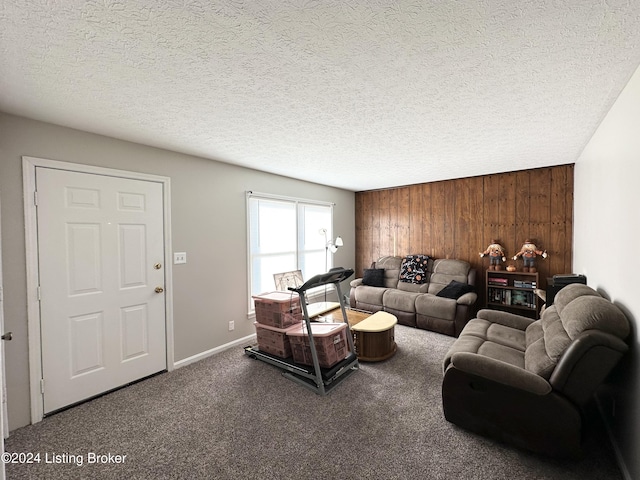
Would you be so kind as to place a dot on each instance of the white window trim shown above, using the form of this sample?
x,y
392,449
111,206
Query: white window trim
x,y
269,196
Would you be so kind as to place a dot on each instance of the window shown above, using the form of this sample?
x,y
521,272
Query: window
x,y
284,235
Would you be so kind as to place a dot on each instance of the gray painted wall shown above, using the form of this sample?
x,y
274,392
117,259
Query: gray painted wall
x,y
605,248
208,222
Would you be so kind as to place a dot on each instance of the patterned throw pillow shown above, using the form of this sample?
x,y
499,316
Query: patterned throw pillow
x,y
414,269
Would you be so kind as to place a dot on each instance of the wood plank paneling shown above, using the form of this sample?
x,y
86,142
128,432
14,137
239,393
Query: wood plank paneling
x,y
475,237
376,225
560,239
568,215
364,228
439,217
459,218
385,220
425,223
448,204
523,200
462,217
491,213
540,217
505,227
416,216
403,231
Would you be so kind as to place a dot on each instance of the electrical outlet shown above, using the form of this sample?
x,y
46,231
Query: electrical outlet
x,y
231,325
179,257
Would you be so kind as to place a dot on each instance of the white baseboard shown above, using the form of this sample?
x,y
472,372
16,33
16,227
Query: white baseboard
x,y
249,339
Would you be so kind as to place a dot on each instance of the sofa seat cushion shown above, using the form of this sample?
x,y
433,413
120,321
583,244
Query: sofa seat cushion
x,y
436,307
507,336
370,295
503,353
413,287
496,333
491,340
398,300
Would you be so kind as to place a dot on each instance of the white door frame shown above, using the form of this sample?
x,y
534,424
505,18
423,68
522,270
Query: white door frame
x,y
4,419
29,165
4,416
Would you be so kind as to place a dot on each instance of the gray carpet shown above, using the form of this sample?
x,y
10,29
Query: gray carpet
x,y
232,417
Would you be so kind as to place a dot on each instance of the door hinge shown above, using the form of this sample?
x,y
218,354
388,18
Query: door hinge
x,y
35,198
39,293
42,385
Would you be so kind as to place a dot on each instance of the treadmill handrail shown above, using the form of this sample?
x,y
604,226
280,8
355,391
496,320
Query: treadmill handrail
x,y
333,276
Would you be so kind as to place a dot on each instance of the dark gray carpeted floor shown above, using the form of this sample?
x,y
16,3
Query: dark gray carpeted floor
x,y
232,417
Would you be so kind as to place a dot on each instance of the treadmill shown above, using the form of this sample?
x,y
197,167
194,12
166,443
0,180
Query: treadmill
x,y
320,380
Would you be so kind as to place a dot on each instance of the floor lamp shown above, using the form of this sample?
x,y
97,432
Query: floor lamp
x,y
332,247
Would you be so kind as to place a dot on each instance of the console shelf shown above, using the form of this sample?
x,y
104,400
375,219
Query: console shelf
x,y
513,292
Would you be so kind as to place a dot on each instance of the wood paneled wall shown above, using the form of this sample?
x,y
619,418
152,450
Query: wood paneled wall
x,y
459,218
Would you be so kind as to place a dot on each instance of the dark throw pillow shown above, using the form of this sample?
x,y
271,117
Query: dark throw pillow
x,y
374,277
455,290
414,269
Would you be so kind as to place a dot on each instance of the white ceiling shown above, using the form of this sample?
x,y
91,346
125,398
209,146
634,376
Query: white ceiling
x,y
359,94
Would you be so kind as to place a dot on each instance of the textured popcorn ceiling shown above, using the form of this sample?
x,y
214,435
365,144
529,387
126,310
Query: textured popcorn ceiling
x,y
358,94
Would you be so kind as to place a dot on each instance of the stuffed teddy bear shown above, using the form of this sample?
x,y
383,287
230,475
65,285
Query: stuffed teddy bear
x,y
496,255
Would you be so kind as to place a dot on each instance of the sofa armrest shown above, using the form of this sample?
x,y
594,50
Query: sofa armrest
x,y
356,282
505,318
500,372
472,276
468,298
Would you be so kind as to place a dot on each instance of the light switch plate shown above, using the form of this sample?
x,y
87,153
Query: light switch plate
x,y
179,257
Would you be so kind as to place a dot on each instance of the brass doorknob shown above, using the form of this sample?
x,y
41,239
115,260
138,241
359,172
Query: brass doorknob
x,y
159,289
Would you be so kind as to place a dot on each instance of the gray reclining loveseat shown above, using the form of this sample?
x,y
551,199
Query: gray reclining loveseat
x,y
527,382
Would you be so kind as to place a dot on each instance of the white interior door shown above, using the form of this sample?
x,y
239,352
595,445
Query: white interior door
x,y
101,272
